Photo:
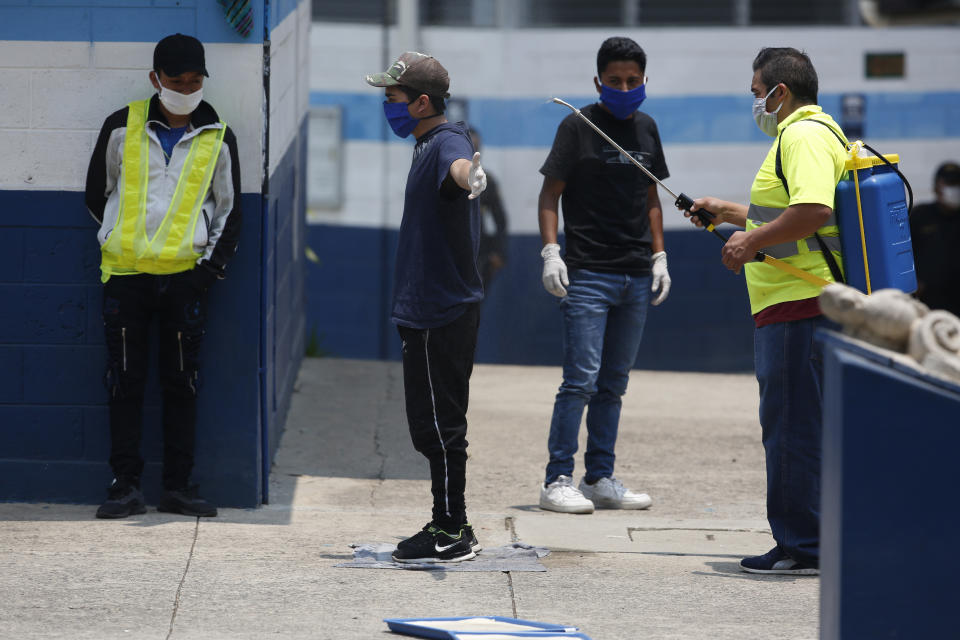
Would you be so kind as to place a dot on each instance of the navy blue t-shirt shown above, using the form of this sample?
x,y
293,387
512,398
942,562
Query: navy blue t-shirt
x,y
436,273
169,138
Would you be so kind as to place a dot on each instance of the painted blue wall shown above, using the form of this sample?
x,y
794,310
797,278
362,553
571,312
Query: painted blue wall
x,y
125,20
703,120
283,294
54,439
704,325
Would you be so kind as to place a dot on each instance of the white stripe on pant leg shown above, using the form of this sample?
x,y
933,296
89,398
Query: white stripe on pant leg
x,y
436,425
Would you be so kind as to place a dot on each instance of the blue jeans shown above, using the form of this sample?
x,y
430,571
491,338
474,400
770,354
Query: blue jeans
x,y
790,372
603,318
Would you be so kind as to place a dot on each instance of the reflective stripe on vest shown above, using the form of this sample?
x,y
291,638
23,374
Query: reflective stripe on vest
x,y
767,285
829,233
128,250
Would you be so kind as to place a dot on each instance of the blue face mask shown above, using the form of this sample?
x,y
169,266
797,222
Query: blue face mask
x,y
399,118
622,104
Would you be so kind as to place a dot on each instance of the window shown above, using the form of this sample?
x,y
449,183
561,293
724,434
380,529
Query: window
x,y
573,13
797,13
325,158
459,13
682,12
368,11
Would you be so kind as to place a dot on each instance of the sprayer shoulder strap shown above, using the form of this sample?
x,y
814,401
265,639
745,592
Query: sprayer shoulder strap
x,y
778,168
778,164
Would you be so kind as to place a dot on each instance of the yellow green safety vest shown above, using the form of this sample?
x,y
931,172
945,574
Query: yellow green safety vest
x,y
128,250
767,285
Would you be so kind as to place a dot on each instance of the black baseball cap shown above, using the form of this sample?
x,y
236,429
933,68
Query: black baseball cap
x,y
949,173
178,54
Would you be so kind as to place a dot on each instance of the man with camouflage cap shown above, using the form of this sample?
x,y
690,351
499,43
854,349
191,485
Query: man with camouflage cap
x,y
436,294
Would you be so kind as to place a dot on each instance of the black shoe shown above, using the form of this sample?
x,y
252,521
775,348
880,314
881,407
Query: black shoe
x,y
433,544
472,538
187,502
777,562
123,499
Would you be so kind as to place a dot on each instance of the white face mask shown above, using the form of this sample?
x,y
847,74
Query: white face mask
x,y
950,197
766,121
180,104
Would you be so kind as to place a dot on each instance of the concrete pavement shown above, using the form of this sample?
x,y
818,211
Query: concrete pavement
x,y
346,472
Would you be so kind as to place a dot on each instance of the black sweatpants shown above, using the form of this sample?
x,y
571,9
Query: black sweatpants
x,y
130,303
437,364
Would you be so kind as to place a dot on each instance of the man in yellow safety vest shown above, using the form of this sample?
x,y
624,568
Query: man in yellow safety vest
x,y
164,185
791,217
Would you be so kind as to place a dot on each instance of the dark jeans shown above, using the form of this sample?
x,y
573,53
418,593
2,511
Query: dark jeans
x,y
790,372
603,319
437,364
129,305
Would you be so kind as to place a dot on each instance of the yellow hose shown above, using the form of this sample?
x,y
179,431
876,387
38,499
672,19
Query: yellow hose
x,y
800,273
863,237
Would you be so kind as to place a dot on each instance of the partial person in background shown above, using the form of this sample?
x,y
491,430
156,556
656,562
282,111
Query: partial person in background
x,y
614,230
935,229
493,226
436,294
164,185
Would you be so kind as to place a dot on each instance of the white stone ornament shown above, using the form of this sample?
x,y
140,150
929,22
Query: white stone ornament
x,y
892,319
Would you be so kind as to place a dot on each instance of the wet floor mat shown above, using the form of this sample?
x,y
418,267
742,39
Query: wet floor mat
x,y
514,557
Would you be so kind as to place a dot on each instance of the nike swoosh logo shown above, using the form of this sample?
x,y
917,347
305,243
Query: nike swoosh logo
x,y
440,549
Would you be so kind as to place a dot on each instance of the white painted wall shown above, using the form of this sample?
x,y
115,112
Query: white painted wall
x,y
289,77
54,96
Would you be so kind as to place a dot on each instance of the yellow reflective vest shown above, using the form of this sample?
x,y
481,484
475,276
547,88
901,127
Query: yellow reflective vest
x,y
128,250
813,163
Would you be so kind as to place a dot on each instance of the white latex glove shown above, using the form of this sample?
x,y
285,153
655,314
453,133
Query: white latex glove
x,y
661,277
476,177
554,270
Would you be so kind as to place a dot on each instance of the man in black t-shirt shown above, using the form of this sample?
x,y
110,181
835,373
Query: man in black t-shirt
x,y
614,259
935,230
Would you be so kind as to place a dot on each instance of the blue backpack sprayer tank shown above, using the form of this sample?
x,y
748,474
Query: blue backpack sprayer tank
x,y
874,223
873,217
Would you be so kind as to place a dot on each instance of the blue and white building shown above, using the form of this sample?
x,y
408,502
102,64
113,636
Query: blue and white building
x,y
506,58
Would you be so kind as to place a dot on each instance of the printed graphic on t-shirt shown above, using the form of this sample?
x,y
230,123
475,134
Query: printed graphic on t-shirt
x,y
615,157
422,147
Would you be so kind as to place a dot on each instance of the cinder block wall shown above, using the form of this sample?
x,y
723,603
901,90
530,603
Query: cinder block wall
x,y
63,68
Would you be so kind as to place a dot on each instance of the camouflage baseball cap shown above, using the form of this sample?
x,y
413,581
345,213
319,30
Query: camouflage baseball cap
x,y
417,71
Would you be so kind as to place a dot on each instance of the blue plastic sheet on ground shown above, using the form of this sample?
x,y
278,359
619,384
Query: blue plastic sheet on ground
x,y
514,557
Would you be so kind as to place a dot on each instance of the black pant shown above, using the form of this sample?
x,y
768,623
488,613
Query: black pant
x,y
437,364
129,305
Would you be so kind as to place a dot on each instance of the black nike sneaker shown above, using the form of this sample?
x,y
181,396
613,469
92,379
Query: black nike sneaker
x,y
123,499
433,544
472,538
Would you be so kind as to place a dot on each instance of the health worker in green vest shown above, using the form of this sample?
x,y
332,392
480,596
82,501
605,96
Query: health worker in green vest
x,y
164,186
790,217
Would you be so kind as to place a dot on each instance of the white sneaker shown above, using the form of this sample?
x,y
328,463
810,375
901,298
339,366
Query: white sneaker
x,y
560,495
609,493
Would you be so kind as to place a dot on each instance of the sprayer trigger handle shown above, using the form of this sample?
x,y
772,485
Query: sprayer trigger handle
x,y
684,202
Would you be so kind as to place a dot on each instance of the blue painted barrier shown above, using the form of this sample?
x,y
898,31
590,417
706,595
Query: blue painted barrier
x,y
889,521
